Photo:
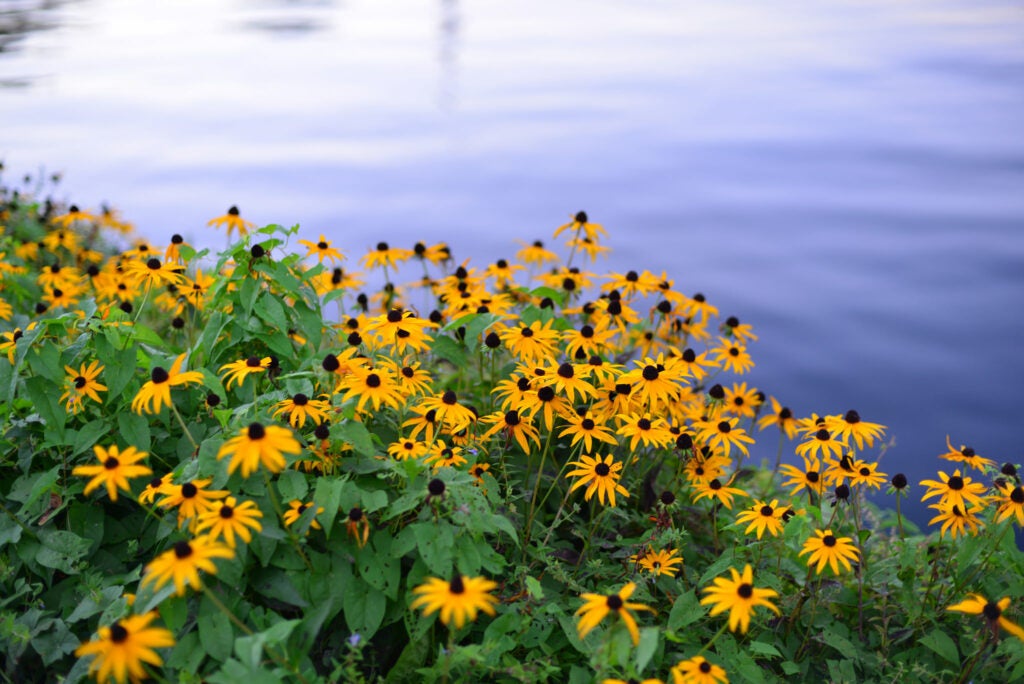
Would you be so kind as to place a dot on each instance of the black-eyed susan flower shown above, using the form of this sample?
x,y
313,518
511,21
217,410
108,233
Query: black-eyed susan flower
x,y
440,455
643,428
238,371
583,427
155,487
448,411
598,475
955,520
512,426
535,254
732,355
72,216
401,329
724,435
121,651
458,600
413,380
295,511
534,343
849,425
371,385
809,478
954,489
407,448
867,474
739,596
697,670
654,382
763,517
478,470
966,454
386,256
570,380
580,223
233,221
588,339
992,611
154,273
259,445
114,470
81,384
658,562
780,417
546,402
741,401
182,563
503,273
716,491
299,407
322,249
1011,503
231,519
822,443
156,392
423,421
827,549
190,498
596,606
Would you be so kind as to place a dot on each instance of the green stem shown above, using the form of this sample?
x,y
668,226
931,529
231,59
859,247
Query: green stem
x,y
181,421
721,630
280,515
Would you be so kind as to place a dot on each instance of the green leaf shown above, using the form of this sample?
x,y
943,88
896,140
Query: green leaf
x,y
216,633
247,291
534,588
327,495
45,397
764,649
356,434
941,643
292,485
435,544
685,611
364,608
88,435
134,429
647,647
61,550
448,349
269,309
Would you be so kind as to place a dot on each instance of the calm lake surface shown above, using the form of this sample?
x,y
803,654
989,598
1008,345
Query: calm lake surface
x,y
848,177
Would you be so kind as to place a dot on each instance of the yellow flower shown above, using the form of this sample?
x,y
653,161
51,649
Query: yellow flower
x,y
322,250
956,520
697,670
738,596
761,517
714,489
601,476
966,454
182,563
597,606
385,256
826,549
121,649
512,425
458,600
662,562
726,435
233,221
295,510
230,519
955,490
190,498
992,611
157,391
257,445
239,370
299,407
82,384
114,470
850,425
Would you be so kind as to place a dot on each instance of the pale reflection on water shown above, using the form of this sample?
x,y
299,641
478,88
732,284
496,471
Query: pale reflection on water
x,y
845,176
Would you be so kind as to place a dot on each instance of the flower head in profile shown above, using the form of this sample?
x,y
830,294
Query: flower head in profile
x,y
598,475
231,519
1011,503
156,392
121,650
386,256
992,611
459,600
233,221
296,509
81,384
114,470
581,223
955,520
739,596
237,371
182,563
966,454
597,606
780,417
827,549
697,670
259,444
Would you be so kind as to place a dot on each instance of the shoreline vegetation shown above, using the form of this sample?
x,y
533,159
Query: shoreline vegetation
x,y
249,466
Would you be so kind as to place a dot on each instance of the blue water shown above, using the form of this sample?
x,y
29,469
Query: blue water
x,y
846,176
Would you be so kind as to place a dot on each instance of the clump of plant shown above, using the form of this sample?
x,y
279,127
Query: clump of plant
x,y
253,466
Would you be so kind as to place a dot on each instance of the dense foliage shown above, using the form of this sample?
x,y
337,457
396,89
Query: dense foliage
x,y
239,467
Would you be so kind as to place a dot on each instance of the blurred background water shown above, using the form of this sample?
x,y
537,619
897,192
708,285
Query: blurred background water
x,y
847,176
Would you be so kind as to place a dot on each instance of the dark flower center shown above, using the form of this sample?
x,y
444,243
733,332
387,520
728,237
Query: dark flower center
x,y
967,451
382,246
704,667
153,264
828,540
991,611
623,389
732,321
118,634
737,401
79,382
253,362
734,351
456,586
767,511
587,424
523,384
852,417
668,498
545,394
643,424
227,512
899,480
565,370
394,316
715,484
256,431
159,376
602,469
745,591
785,413
812,476
724,427
512,418
587,332
373,380
449,398
526,332
188,490
331,363
716,392
615,602
650,373
182,549
111,463
356,514
1017,496
233,211
684,441
955,483
822,435
435,487
300,399
843,492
